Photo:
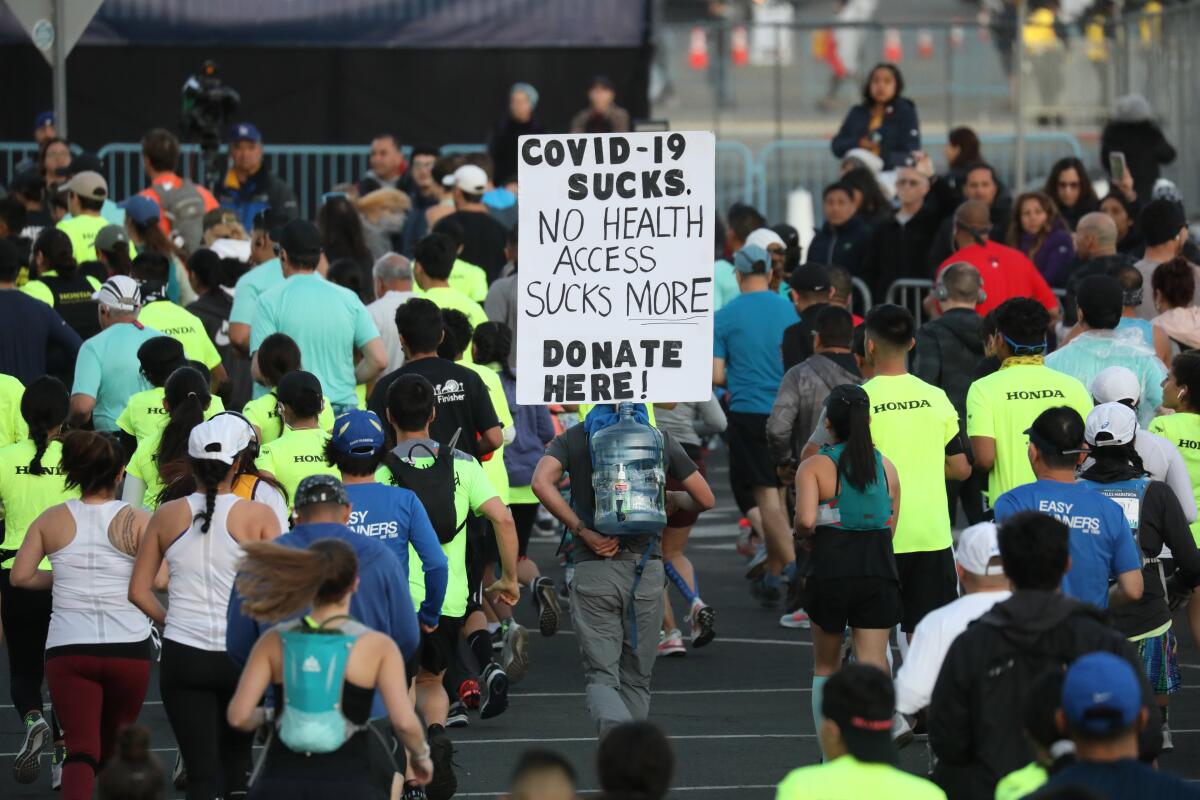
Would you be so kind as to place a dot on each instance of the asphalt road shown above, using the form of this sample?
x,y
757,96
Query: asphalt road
x,y
738,711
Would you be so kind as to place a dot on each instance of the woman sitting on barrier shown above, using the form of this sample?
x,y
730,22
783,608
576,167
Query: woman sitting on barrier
x,y
885,123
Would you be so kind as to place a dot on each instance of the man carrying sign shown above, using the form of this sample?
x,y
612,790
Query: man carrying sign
x,y
603,591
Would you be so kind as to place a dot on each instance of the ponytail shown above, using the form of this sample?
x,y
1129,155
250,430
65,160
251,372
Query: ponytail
x,y
277,582
57,252
44,407
187,397
493,343
849,412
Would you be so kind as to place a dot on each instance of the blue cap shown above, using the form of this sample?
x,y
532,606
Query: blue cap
x,y
752,259
357,433
43,119
142,210
1101,694
245,132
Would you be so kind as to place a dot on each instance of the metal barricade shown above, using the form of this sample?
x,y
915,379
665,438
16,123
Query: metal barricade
x,y
735,175
910,293
861,300
14,153
788,164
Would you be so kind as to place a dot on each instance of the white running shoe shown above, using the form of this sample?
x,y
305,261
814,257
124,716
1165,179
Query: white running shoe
x,y
671,644
796,619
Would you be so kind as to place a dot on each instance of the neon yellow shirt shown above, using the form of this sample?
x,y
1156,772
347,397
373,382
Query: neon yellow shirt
x,y
466,278
263,413
184,327
82,230
1004,404
145,416
294,456
847,778
494,467
1024,781
1182,429
12,425
143,467
40,291
911,423
449,297
26,496
471,490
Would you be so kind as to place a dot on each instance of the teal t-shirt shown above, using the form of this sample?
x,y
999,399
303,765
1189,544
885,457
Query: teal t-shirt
x,y
725,285
247,290
108,369
327,322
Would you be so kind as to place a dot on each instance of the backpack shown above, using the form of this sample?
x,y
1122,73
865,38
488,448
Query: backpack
x,y
433,486
184,207
314,670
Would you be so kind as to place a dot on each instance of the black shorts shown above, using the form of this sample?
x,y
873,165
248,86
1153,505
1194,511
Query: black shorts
x,y
682,518
438,648
927,581
833,604
749,457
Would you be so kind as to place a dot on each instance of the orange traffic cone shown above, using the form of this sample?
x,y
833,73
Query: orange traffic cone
x,y
924,44
893,50
740,45
698,49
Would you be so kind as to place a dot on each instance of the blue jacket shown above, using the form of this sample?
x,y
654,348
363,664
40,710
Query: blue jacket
x,y
899,135
844,246
382,601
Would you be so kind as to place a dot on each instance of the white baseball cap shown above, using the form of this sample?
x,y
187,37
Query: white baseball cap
x,y
764,238
120,292
471,179
1110,424
220,438
1114,384
977,545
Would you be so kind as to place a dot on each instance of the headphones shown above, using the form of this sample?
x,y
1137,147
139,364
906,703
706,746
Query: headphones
x,y
942,294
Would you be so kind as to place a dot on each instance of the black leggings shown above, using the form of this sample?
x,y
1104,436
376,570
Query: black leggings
x,y
25,615
196,687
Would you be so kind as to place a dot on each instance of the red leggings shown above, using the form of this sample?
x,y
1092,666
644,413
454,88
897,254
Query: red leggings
x,y
93,696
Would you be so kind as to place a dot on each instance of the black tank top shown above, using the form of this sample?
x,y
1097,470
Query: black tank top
x,y
73,302
351,759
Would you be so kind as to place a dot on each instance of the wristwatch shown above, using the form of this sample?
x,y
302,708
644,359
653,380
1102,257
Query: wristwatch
x,y
578,529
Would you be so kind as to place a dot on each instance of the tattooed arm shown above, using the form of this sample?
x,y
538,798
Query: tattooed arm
x,y
125,531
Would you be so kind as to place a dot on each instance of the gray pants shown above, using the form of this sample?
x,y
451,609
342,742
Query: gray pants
x,y
618,676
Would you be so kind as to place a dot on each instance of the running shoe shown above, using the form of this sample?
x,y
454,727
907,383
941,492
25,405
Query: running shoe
x,y
545,525
796,619
56,765
28,762
414,791
514,657
757,563
745,539
456,717
671,644
179,773
441,752
545,595
767,596
468,693
902,731
702,618
497,637
495,699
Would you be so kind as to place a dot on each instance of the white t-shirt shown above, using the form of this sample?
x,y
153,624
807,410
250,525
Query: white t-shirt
x,y
383,311
930,643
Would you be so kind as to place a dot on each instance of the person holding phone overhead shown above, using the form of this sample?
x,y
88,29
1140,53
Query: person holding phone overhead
x,y
1134,136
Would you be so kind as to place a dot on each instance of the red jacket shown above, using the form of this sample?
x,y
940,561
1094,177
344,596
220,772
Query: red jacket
x,y
1006,273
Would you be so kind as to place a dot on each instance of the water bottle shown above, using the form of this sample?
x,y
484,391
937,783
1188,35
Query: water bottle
x,y
628,477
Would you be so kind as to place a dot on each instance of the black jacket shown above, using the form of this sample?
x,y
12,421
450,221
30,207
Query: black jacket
x,y
948,350
899,135
901,250
1145,148
503,146
797,344
975,716
843,246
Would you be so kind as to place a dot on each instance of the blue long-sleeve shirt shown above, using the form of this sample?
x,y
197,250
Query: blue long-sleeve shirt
x,y
395,516
382,601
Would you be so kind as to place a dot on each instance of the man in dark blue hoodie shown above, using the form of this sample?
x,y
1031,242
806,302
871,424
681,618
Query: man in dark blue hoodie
x,y
381,602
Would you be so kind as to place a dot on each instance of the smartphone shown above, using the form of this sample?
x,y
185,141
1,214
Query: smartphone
x,y
1116,166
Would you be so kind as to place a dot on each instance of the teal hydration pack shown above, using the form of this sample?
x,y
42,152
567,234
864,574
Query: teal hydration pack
x,y
314,670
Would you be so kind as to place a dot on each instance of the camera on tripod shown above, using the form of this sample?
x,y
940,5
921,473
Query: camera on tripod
x,y
207,106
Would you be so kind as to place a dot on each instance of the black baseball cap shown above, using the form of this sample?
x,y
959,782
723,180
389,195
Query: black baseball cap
x,y
1057,431
300,238
1100,299
316,489
299,388
860,699
161,351
809,278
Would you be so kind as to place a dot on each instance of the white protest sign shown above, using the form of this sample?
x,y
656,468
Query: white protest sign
x,y
615,278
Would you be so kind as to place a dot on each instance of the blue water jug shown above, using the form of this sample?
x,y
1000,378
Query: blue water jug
x,y
628,477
